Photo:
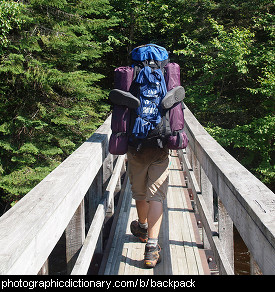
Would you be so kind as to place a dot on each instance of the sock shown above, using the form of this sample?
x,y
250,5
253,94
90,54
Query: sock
x,y
143,225
152,242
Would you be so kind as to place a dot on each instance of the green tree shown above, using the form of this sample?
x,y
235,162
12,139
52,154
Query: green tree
x,y
57,61
230,80
225,50
50,84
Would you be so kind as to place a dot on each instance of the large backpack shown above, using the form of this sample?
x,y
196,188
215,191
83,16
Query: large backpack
x,y
148,107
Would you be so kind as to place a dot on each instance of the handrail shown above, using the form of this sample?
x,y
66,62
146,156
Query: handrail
x,y
30,230
83,261
242,198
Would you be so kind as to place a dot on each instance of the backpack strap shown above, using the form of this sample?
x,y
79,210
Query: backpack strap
x,y
153,64
166,130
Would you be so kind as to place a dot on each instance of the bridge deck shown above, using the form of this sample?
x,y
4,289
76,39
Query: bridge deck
x,y
179,236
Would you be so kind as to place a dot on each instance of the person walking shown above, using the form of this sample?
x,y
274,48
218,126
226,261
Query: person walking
x,y
148,121
149,175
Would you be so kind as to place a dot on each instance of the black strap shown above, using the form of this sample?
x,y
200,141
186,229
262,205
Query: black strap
x,y
179,136
153,64
166,130
120,134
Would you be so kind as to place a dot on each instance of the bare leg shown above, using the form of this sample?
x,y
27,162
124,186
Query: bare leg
x,y
154,218
142,210
152,213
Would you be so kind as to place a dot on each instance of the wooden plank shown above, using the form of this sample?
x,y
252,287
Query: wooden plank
x,y
122,238
126,256
84,259
203,267
75,235
122,262
192,254
87,251
165,230
113,263
123,190
208,223
178,257
207,193
115,255
225,230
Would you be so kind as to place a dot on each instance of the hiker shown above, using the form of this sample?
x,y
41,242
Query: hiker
x,y
148,174
147,121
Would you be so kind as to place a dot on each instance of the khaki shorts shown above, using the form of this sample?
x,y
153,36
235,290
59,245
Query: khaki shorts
x,y
148,173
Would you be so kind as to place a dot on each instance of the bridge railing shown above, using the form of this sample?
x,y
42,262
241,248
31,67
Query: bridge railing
x,y
214,175
78,193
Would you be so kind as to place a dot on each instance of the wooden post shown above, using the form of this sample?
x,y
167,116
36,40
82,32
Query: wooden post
x,y
207,193
107,170
94,196
108,167
75,235
189,151
196,169
226,233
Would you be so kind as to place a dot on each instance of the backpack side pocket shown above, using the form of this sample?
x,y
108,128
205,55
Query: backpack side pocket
x,y
178,138
118,144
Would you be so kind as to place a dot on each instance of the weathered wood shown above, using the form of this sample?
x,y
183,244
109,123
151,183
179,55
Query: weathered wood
x,y
84,259
207,193
208,222
249,203
114,224
107,169
95,194
30,230
180,252
225,230
75,235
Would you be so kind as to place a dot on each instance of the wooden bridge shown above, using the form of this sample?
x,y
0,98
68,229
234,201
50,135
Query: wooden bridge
x,y
86,203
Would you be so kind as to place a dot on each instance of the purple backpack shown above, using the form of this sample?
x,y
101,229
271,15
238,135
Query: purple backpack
x,y
123,78
120,123
121,115
172,75
178,138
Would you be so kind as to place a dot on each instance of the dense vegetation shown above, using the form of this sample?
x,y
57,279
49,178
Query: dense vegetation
x,y
56,68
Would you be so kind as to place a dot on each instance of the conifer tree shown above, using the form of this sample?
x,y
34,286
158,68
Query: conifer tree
x,y
51,95
55,56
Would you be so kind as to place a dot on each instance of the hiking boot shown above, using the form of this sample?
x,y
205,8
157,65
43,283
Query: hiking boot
x,y
172,96
152,256
139,232
126,98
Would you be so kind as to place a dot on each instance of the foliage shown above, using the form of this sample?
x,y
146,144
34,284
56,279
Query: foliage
x,y
231,83
252,145
225,50
56,68
9,12
51,96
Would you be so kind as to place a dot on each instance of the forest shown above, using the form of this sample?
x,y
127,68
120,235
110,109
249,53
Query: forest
x,y
57,59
